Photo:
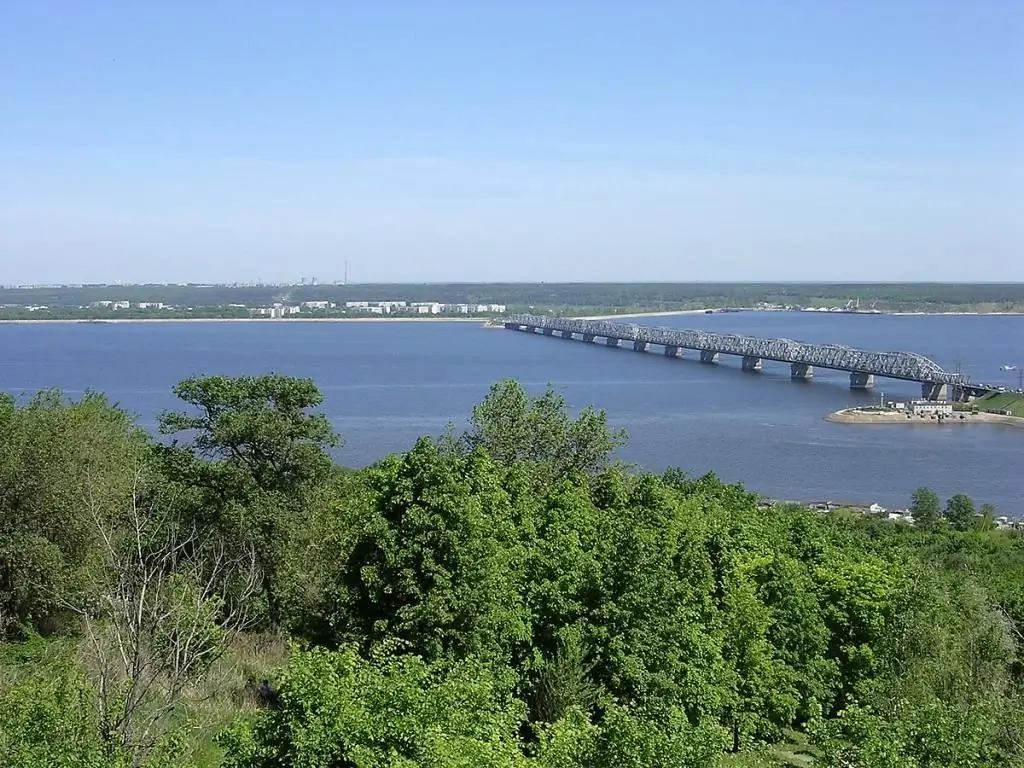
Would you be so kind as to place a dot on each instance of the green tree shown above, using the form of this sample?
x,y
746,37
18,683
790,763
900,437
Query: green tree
x,y
986,519
654,612
668,740
960,512
856,590
941,692
252,454
438,561
62,463
50,720
512,426
338,708
260,425
926,509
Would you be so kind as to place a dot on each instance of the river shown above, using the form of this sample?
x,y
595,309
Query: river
x,y
385,384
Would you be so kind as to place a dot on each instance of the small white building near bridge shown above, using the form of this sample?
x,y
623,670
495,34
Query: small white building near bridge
x,y
931,407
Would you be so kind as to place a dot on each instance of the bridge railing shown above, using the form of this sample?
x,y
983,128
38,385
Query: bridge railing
x,y
896,365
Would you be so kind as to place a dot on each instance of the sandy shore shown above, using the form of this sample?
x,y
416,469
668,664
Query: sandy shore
x,y
480,320
666,313
674,312
959,314
855,416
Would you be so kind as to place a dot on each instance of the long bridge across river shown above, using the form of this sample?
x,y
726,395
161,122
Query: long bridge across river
x,y
803,358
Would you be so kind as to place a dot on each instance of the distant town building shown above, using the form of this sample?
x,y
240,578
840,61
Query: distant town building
x,y
426,307
421,307
376,307
278,310
465,309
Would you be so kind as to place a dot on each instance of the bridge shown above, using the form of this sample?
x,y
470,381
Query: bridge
x,y
803,358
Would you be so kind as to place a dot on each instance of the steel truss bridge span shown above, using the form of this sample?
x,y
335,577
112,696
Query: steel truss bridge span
x,y
908,366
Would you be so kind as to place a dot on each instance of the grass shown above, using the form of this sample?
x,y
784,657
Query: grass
x,y
1001,401
793,752
228,692
224,694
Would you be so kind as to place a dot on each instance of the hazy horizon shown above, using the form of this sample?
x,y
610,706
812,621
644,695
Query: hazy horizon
x,y
512,142
352,283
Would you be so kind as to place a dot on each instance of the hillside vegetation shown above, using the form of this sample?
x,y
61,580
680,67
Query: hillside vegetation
x,y
504,597
1001,402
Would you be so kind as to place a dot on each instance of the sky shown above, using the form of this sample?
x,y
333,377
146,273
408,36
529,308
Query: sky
x,y
520,140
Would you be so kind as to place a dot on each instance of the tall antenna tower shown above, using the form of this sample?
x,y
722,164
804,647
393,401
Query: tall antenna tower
x,y
344,280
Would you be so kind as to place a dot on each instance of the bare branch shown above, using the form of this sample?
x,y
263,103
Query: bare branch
x,y
162,618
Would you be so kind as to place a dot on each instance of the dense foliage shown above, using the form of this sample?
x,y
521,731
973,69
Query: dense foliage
x,y
505,597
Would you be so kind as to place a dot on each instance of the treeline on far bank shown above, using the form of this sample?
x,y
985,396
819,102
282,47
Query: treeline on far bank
x,y
507,596
579,298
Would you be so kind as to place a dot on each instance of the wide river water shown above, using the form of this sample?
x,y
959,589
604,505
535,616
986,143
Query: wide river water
x,y
387,383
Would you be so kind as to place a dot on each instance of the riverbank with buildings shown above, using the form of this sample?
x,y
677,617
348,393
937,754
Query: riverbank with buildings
x,y
925,412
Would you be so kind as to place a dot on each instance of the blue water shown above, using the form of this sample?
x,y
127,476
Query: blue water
x,y
386,384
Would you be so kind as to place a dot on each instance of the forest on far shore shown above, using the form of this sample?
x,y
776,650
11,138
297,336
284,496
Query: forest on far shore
x,y
562,298
224,594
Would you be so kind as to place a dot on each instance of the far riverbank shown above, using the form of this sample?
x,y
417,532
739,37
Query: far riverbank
x,y
723,310
857,416
487,321
665,313
96,321
960,314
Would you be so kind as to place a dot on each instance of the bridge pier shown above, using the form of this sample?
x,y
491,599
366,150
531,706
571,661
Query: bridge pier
x,y
566,335
588,338
930,391
671,351
862,380
611,342
752,364
639,346
513,327
548,331
801,372
708,356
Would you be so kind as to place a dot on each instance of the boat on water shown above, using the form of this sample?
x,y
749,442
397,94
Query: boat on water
x,y
1008,368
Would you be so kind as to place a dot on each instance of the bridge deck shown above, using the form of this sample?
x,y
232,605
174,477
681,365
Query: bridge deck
x,y
908,366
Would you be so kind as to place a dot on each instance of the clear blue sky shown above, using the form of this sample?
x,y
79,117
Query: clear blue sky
x,y
431,140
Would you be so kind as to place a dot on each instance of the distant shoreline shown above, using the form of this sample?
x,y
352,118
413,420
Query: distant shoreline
x,y
856,416
481,320
725,310
665,313
105,321
967,314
